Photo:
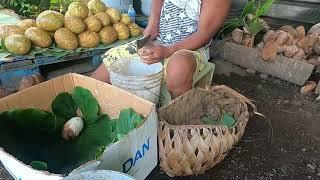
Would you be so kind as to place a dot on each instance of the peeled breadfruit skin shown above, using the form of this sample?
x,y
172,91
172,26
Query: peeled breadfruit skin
x,y
65,39
38,37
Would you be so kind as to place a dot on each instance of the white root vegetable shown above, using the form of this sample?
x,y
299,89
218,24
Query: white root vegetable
x,y
314,29
72,128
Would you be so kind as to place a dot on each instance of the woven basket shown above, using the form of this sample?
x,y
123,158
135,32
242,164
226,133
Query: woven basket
x,y
187,146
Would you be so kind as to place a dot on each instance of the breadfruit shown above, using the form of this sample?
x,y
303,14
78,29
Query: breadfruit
x,y
74,24
17,44
38,37
88,39
92,24
6,30
122,30
125,19
78,9
50,20
65,39
26,23
108,35
114,14
103,18
96,6
134,30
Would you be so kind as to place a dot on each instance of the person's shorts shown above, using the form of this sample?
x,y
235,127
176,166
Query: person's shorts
x,y
130,50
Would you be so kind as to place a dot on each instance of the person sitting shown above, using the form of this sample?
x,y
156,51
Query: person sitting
x,y
182,31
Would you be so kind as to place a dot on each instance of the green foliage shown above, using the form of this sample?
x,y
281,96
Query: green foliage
x,y
253,25
32,134
60,5
225,120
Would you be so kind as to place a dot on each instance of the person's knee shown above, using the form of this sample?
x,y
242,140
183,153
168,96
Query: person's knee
x,y
101,74
180,70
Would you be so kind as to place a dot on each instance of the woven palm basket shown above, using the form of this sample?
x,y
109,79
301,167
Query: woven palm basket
x,y
189,147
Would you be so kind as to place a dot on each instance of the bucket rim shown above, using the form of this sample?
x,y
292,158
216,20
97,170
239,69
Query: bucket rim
x,y
112,66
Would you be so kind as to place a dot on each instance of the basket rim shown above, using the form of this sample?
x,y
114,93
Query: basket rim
x,y
242,98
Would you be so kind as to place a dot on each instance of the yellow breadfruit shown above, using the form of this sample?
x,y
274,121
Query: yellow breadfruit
x,y
122,30
92,24
50,20
26,23
38,37
108,35
103,18
78,9
88,39
74,24
114,14
125,19
7,30
96,6
134,30
65,39
17,44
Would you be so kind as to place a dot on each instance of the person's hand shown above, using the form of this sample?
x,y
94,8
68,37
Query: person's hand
x,y
151,30
153,53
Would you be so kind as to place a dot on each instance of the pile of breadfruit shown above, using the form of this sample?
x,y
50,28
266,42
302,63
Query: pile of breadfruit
x,y
83,25
289,41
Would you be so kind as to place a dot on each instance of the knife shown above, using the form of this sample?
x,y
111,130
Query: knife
x,y
143,41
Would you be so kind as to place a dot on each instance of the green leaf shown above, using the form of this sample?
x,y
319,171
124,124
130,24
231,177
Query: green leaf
x,y
128,120
87,104
254,27
226,120
248,9
38,165
31,120
264,8
92,140
64,106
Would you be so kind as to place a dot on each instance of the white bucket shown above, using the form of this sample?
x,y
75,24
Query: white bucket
x,y
137,77
99,174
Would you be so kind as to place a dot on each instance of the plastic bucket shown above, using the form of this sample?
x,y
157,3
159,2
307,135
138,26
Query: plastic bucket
x,y
146,7
98,175
138,78
122,5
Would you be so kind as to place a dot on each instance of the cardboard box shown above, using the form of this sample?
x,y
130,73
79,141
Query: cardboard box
x,y
136,154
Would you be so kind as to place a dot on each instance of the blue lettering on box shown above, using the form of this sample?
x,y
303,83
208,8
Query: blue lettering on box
x,y
131,162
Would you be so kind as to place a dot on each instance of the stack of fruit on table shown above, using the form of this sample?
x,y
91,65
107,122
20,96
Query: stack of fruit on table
x,y
83,26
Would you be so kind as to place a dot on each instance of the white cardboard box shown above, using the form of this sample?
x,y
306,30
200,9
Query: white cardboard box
x,y
136,154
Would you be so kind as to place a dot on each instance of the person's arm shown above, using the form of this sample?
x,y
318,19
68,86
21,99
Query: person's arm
x,y
154,19
213,14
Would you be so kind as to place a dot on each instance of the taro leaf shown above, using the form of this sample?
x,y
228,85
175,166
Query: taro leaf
x,y
30,120
64,108
38,165
128,120
92,141
226,120
87,104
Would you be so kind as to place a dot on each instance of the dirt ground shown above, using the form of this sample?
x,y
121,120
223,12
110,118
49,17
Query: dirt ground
x,y
291,153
